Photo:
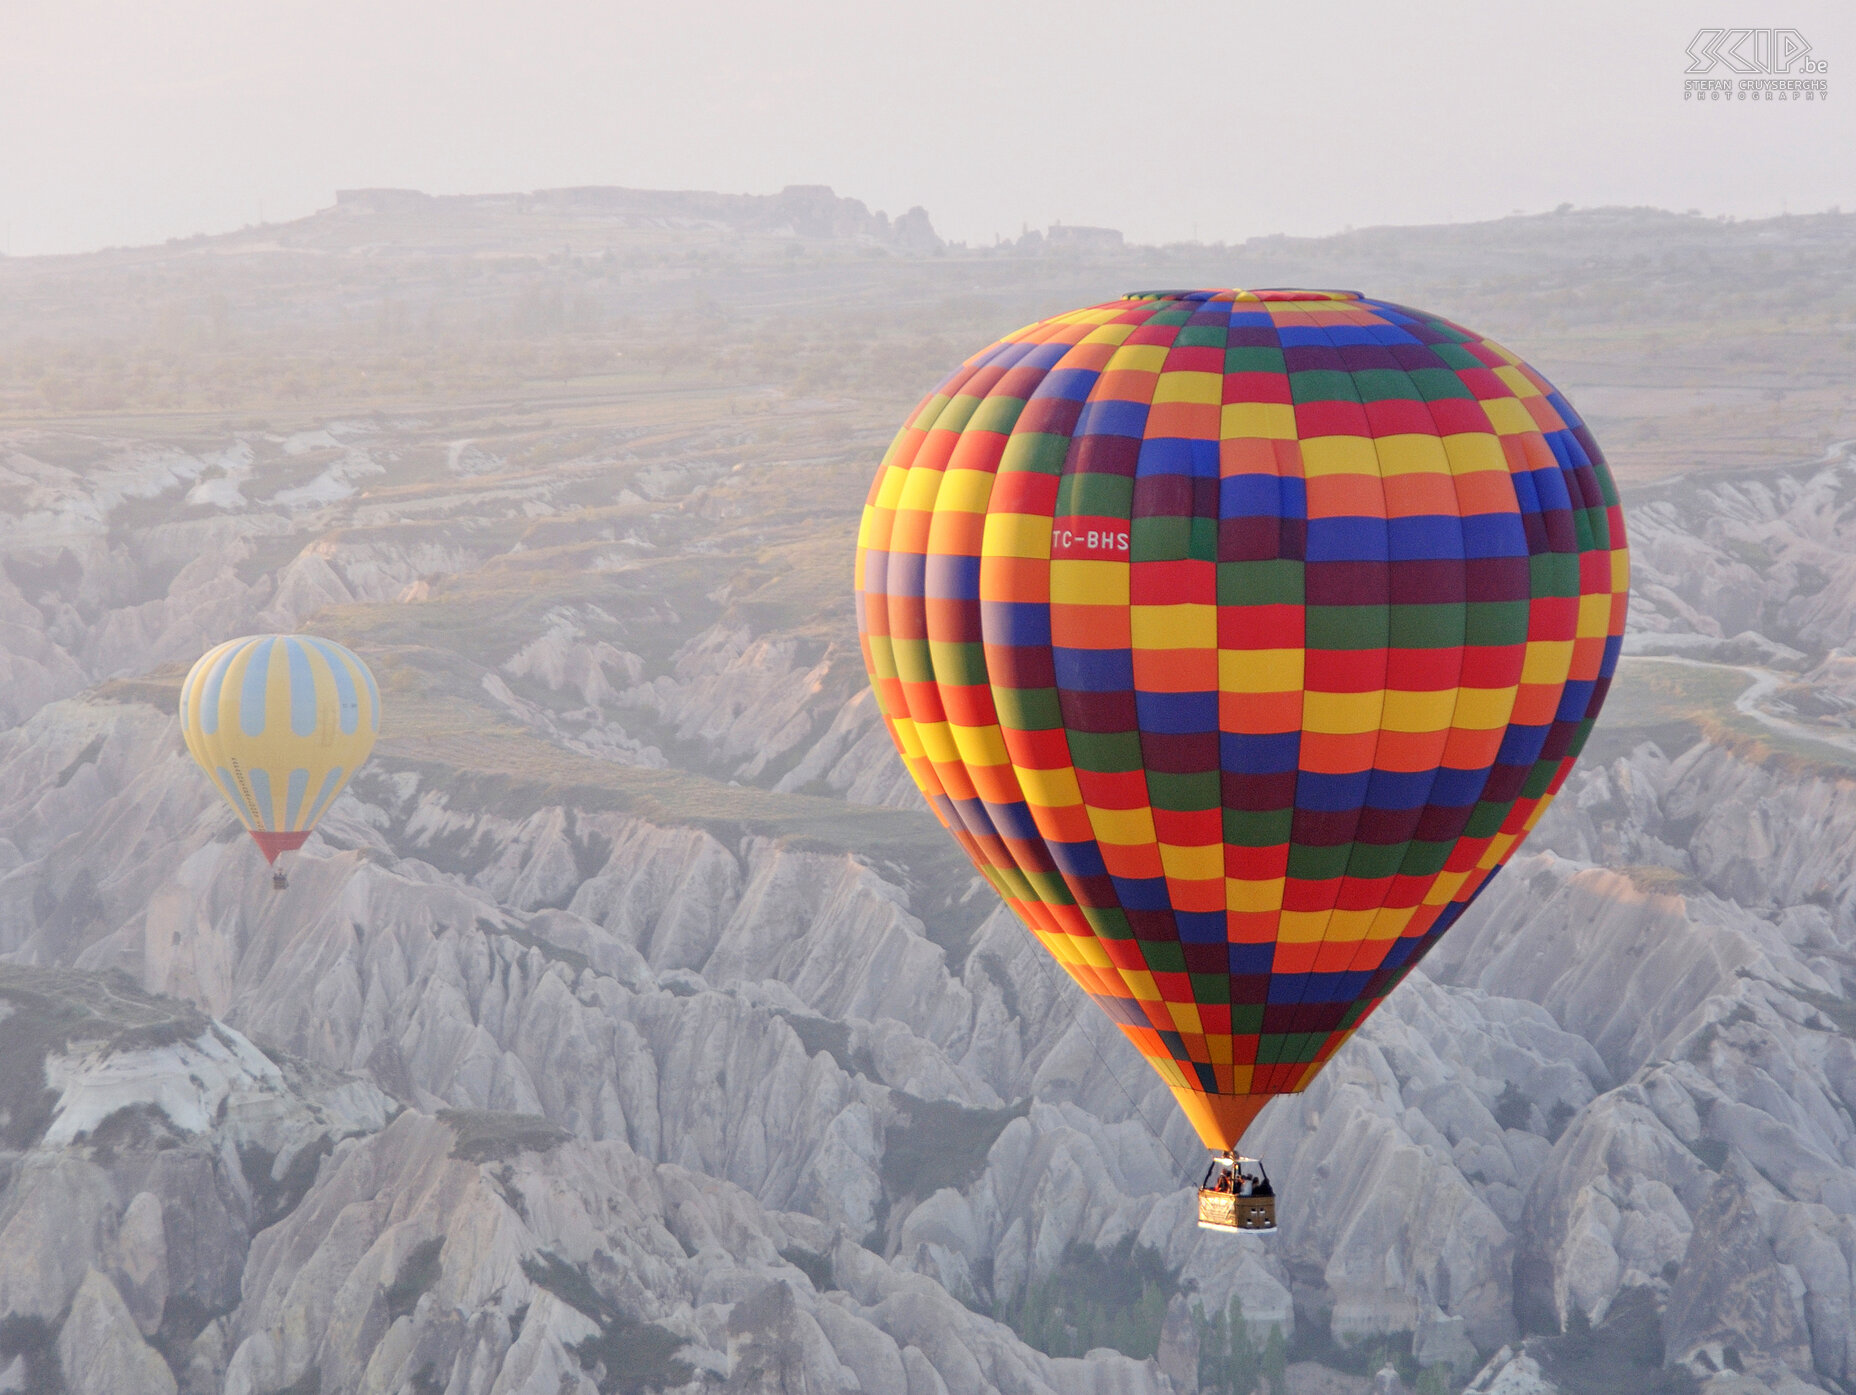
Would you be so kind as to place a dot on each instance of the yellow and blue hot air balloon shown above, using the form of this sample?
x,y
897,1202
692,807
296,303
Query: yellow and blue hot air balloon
x,y
279,723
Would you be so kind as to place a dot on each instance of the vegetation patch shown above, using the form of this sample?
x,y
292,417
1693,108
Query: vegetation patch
x,y
1624,1352
626,1356
1840,1011
87,756
273,1198
548,950
1662,702
159,689
940,1144
309,1383
1712,1153
420,1271
493,1135
43,1012
1677,702
1514,1110
818,1034
34,1342
1558,1118
135,1128
1653,880
1096,1298
1315,1341
814,1266
183,1318
1231,1361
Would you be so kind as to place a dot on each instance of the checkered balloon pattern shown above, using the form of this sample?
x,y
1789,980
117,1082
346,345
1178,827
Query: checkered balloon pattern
x,y
1240,637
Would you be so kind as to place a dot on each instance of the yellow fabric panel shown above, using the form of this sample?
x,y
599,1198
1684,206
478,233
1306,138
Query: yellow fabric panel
x,y
1483,709
1508,416
1137,358
1260,670
1410,455
1469,451
1077,582
1418,711
1339,455
1349,927
964,491
1202,863
1178,626
1185,386
1127,827
1271,420
1594,615
1302,927
1517,381
1015,535
1546,661
1141,985
1241,894
1342,713
980,745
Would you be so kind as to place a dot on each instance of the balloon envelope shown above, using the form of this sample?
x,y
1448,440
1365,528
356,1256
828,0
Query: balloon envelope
x,y
1240,637
279,723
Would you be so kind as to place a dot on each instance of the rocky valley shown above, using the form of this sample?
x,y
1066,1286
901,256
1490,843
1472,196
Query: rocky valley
x,y
628,1025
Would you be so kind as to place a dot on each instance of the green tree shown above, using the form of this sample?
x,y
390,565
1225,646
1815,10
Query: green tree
x,y
1229,1362
1276,1362
1435,1380
1114,1298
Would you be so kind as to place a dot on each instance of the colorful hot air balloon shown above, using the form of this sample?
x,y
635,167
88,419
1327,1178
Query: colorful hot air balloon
x,y
279,723
1240,637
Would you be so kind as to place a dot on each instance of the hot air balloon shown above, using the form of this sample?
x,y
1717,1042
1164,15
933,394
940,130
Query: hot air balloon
x,y
279,723
1240,637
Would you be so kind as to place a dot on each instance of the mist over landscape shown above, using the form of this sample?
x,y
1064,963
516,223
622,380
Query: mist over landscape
x,y
629,1024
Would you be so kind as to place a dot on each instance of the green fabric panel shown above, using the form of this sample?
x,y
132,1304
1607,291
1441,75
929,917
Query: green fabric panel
x,y
1437,384
1164,956
1278,581
1318,864
1254,359
1108,922
997,414
1322,385
1425,859
1037,452
1348,626
1095,496
1257,828
1495,623
1106,751
1028,709
958,665
1439,626
1183,793
1211,988
1160,538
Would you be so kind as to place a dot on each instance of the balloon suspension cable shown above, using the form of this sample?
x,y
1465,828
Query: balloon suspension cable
x,y
1186,1165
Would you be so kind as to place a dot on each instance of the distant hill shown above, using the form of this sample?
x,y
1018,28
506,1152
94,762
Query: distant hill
x,y
1690,342
810,212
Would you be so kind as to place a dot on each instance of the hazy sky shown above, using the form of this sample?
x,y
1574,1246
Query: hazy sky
x,y
132,122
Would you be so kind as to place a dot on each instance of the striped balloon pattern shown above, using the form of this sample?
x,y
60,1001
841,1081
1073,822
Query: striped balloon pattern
x,y
1240,637
279,723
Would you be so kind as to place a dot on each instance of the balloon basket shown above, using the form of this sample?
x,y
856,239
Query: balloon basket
x,y
1236,1195
279,882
